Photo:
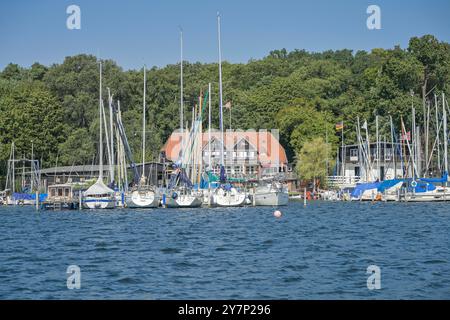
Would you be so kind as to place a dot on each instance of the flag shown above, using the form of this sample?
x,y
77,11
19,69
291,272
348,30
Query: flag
x,y
339,126
405,136
227,105
364,126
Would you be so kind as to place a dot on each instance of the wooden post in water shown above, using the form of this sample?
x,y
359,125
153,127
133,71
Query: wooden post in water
x,y
304,197
37,200
80,195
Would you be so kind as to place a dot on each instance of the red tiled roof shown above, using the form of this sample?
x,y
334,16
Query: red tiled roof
x,y
267,145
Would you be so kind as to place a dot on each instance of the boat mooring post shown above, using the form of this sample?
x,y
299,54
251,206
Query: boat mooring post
x,y
37,200
80,195
304,197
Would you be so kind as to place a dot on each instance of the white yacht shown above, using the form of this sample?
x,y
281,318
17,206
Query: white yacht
x,y
271,194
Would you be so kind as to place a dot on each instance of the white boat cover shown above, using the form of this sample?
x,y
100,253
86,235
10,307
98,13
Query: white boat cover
x,y
98,188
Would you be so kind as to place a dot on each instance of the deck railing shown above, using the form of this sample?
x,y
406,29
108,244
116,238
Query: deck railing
x,y
342,181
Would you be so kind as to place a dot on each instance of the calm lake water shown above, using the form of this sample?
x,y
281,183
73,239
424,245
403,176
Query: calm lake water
x,y
318,252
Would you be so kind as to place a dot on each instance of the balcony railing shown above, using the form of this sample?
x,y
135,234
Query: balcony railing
x,y
342,181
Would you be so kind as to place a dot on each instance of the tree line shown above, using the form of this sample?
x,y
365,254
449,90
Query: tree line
x,y
303,94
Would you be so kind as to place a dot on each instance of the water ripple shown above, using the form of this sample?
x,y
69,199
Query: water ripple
x,y
318,252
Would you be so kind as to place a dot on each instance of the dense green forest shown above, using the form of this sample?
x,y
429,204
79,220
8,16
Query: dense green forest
x,y
301,93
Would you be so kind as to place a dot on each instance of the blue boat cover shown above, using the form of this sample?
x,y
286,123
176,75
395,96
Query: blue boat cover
x,y
442,179
28,196
387,184
360,188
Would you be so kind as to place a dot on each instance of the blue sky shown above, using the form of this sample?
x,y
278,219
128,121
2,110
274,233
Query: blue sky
x,y
135,32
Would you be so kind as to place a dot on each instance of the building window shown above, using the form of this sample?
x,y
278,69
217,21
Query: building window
x,y
388,154
353,154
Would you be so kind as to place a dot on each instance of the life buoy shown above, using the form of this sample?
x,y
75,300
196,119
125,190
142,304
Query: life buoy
x,y
414,183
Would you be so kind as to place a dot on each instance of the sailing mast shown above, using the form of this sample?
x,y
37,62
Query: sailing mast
x,y
100,166
358,135
393,147
13,189
369,153
111,130
444,115
33,171
209,127
427,136
143,130
378,149
220,92
181,93
107,138
413,138
437,133
124,168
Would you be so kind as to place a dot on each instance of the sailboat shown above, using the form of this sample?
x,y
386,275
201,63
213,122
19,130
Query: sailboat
x,y
425,189
180,190
99,196
226,195
182,195
30,182
229,196
143,195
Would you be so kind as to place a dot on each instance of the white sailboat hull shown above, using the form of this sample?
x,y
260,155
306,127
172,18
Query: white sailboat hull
x,y
439,194
142,199
232,198
271,198
184,201
99,202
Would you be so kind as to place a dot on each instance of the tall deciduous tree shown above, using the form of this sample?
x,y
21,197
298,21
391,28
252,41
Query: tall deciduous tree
x,y
312,161
29,113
